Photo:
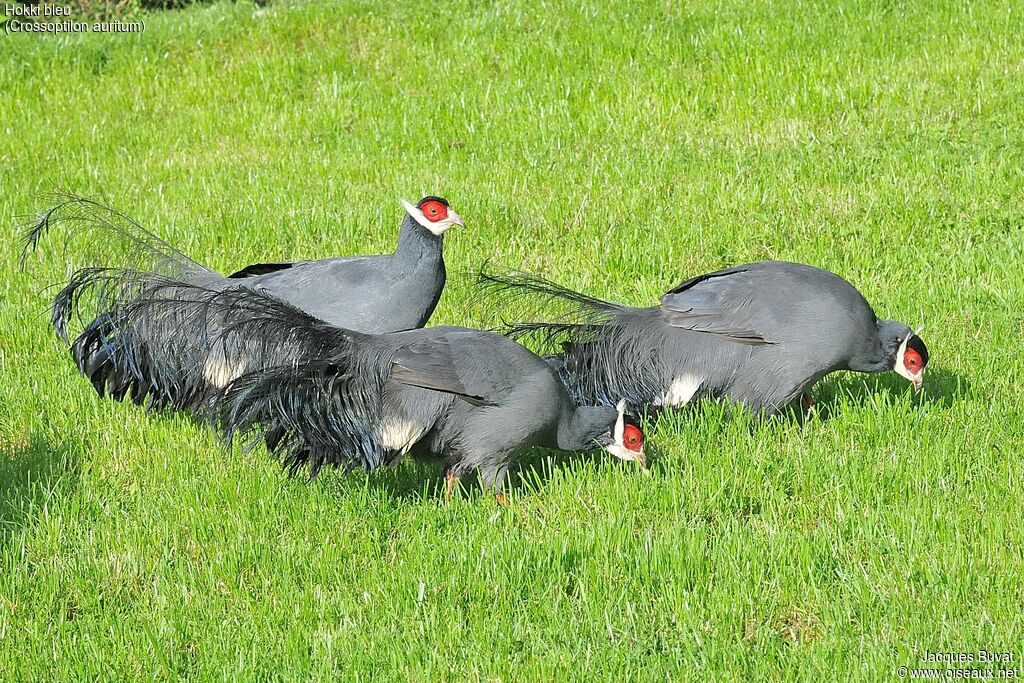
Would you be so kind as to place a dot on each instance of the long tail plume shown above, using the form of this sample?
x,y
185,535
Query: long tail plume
x,y
123,258
542,311
310,391
310,414
591,343
114,237
171,342
166,332
259,368
518,284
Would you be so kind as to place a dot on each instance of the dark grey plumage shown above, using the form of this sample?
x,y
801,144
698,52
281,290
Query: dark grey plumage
x,y
761,334
370,293
321,395
374,294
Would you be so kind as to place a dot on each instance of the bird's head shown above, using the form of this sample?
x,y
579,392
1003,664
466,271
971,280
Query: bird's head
x,y
433,213
625,440
908,352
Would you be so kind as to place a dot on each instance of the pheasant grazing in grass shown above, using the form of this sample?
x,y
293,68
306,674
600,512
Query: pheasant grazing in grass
x,y
321,395
760,334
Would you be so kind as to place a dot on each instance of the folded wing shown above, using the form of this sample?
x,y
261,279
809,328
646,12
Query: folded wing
x,y
718,303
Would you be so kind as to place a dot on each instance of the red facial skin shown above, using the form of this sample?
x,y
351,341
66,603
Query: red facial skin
x,y
434,211
633,438
912,361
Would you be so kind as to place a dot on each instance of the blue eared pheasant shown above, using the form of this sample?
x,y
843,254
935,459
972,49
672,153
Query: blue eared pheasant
x,y
386,293
760,334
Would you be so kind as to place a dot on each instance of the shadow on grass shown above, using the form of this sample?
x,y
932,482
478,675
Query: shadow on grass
x,y
528,474
421,482
424,482
32,474
411,481
942,387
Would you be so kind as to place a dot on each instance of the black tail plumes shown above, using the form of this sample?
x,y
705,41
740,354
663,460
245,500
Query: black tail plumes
x,y
108,351
253,364
311,391
136,247
164,331
599,359
130,349
175,343
559,306
117,363
312,414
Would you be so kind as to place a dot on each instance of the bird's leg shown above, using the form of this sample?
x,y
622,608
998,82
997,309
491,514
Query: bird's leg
x,y
807,401
493,479
451,480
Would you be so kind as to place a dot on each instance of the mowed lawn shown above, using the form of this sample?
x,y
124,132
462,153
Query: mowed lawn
x,y
618,152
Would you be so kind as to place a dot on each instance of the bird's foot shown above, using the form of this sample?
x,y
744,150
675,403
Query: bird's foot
x,y
807,401
501,499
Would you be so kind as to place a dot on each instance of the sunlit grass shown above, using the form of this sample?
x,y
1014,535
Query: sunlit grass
x,y
618,152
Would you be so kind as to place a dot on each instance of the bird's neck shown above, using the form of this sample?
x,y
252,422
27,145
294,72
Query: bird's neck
x,y
416,241
878,354
579,428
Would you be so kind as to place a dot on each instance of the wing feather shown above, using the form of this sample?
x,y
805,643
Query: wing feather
x,y
716,303
429,364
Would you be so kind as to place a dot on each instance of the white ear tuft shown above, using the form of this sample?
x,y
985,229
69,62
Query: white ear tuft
x,y
409,208
620,423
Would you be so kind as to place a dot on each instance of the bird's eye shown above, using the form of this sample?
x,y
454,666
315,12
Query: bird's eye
x,y
633,438
912,359
434,211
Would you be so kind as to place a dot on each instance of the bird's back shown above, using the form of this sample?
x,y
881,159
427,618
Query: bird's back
x,y
807,321
485,363
371,294
776,300
471,397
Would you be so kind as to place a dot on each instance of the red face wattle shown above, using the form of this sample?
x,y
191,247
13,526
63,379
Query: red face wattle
x,y
633,438
434,211
912,361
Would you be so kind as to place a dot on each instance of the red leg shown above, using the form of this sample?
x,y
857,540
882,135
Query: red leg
x,y
500,498
807,401
450,482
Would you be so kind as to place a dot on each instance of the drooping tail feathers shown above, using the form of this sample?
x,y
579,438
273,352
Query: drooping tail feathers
x,y
310,414
252,364
588,341
115,237
171,341
102,236
127,350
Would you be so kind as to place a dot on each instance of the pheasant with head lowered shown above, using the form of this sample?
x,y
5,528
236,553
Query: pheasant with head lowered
x,y
397,291
318,394
760,334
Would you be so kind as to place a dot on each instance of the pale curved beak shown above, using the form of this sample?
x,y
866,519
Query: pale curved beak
x,y
918,381
455,218
641,458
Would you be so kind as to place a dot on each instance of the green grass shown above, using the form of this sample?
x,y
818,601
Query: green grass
x,y
618,152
